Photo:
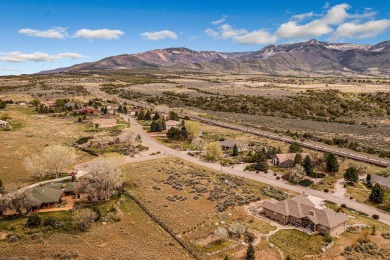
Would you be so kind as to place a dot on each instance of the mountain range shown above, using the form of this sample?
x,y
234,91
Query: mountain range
x,y
311,57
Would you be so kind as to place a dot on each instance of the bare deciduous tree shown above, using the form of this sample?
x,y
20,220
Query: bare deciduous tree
x,y
17,200
198,143
104,177
58,158
162,109
36,165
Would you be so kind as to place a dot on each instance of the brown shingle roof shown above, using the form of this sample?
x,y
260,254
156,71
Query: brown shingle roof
x,y
301,206
282,157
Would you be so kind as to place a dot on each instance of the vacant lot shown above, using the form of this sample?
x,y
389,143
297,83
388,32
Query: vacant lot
x,y
194,201
35,132
136,236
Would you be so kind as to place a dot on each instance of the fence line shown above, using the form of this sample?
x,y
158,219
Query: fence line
x,y
165,227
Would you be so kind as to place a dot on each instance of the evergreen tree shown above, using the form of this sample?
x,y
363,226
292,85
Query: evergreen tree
x,y
298,159
154,126
295,148
156,116
308,165
120,109
226,257
164,126
173,116
235,150
159,126
148,116
141,115
368,178
332,165
250,253
174,133
377,193
261,162
351,174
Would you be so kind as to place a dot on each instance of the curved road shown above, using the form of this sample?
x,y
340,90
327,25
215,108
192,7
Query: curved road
x,y
383,216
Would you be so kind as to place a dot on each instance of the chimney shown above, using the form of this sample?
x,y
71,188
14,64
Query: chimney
x,y
312,212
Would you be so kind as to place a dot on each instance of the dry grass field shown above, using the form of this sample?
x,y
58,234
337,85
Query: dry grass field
x,y
136,236
34,133
187,198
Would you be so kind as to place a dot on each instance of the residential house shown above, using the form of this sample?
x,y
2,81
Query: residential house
x,y
3,123
46,196
104,123
286,160
383,181
306,211
172,123
229,144
49,196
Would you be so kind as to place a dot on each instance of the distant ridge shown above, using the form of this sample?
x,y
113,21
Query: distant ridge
x,y
297,58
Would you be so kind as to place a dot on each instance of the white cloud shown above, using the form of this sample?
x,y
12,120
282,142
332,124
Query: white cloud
x,y
301,17
334,21
18,56
53,33
212,33
218,21
105,34
9,69
159,35
241,36
362,31
334,16
256,37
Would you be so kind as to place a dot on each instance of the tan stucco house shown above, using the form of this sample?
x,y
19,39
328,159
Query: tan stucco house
x,y
306,211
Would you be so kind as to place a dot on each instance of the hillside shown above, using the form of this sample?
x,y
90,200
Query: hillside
x,y
306,57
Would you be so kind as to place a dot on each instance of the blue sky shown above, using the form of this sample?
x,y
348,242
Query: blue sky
x,y
39,35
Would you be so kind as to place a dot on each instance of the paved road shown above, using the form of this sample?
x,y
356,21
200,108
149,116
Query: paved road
x,y
384,216
307,144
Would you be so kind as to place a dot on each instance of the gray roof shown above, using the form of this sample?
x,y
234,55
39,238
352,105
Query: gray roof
x,y
45,194
301,207
384,181
50,193
229,143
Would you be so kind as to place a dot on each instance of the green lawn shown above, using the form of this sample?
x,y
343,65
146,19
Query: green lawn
x,y
297,243
261,226
216,246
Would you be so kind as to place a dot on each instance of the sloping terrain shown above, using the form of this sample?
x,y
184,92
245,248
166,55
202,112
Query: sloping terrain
x,y
306,57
